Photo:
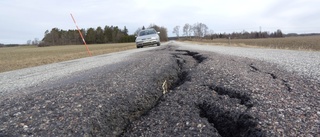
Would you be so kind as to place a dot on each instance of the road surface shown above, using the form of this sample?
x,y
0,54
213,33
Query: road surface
x,y
173,90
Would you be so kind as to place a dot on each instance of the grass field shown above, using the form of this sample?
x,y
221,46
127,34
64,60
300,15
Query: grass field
x,y
13,58
311,43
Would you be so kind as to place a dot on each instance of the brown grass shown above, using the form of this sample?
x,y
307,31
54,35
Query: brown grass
x,y
13,58
311,43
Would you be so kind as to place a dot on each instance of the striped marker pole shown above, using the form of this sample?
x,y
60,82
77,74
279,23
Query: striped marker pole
x,y
81,35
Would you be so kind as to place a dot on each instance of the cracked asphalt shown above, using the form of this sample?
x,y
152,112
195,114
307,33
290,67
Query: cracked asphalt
x,y
170,90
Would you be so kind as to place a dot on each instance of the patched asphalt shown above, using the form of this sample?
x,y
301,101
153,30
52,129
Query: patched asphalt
x,y
169,91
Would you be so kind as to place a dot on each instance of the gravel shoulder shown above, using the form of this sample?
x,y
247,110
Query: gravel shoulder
x,y
305,63
15,82
172,90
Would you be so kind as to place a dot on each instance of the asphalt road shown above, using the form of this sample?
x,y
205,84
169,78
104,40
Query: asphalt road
x,y
176,89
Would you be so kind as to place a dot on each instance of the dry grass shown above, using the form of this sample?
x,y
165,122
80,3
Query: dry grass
x,y
13,58
293,43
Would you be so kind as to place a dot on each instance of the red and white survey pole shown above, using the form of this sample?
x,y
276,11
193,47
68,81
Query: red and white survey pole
x,y
81,35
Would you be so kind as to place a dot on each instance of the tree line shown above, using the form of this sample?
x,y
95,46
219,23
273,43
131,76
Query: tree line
x,y
198,30
246,35
108,34
201,30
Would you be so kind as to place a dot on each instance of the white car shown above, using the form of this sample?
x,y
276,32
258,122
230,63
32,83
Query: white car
x,y
147,37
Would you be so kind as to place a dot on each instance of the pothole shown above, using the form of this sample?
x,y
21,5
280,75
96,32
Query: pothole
x,y
226,112
243,97
185,64
199,58
230,123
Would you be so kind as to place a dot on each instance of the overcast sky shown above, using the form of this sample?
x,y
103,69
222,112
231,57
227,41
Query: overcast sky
x,y
23,20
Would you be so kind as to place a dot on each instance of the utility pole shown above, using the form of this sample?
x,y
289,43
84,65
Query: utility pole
x,y
260,33
260,29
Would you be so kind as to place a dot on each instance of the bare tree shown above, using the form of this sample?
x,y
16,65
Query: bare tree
x,y
185,29
176,30
200,30
196,30
190,30
35,41
137,31
211,34
205,30
163,31
29,42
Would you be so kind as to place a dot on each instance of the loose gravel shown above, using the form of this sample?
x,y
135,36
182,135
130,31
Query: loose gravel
x,y
13,82
173,90
305,63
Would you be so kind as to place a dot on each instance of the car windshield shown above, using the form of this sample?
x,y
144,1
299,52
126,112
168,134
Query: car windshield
x,y
147,32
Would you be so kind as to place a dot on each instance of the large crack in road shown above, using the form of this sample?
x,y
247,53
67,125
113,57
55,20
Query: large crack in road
x,y
229,123
169,91
224,122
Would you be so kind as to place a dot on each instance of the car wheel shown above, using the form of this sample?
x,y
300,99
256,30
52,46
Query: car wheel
x,y
158,44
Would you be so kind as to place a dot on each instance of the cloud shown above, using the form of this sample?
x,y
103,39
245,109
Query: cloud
x,y
24,20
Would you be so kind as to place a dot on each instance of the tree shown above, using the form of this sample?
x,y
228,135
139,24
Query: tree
x,y
108,34
137,31
200,30
278,33
29,42
115,34
125,31
211,34
46,39
163,32
90,36
129,38
55,36
84,34
143,28
74,36
35,41
190,30
186,29
176,30
99,36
